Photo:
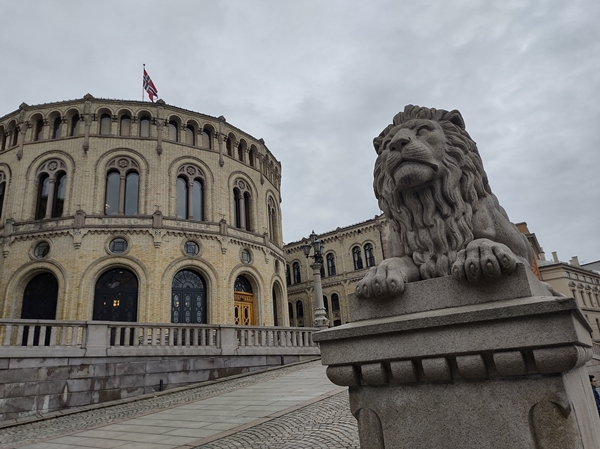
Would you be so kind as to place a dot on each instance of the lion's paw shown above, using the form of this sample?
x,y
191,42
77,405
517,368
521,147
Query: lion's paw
x,y
482,260
386,279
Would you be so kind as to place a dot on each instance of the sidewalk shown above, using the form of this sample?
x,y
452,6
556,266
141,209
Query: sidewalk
x,y
291,407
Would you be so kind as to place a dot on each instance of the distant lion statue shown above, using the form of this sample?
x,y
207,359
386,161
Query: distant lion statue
x,y
445,220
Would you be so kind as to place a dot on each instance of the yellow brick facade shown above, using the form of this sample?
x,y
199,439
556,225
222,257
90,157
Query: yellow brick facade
x,y
339,246
79,239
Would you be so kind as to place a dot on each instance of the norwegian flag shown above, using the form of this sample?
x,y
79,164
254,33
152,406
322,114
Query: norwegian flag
x,y
150,87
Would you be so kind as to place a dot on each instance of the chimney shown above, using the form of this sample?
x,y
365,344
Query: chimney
x,y
574,261
542,256
554,256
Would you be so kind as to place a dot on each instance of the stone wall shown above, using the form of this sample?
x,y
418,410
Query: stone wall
x,y
36,385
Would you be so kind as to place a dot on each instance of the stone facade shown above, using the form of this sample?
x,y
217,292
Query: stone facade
x,y
348,254
570,279
94,188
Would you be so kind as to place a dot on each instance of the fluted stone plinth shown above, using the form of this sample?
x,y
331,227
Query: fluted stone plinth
x,y
450,365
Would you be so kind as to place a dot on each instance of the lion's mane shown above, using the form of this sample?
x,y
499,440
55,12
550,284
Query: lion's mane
x,y
434,222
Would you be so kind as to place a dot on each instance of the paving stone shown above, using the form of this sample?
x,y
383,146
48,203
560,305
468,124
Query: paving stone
x,y
324,424
162,423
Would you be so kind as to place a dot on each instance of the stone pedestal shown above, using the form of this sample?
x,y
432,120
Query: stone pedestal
x,y
450,365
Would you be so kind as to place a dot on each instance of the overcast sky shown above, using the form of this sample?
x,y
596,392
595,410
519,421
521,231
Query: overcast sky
x,y
319,79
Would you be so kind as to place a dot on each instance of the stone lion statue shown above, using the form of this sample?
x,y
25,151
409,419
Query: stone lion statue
x,y
445,220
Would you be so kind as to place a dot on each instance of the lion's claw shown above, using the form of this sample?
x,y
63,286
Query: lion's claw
x,y
483,259
386,279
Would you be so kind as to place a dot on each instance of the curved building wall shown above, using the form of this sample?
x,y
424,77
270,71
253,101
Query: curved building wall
x,y
94,191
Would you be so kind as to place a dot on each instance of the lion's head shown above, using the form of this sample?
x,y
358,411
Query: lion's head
x,y
428,174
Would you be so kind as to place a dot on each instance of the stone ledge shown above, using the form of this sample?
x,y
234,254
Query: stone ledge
x,y
480,366
446,292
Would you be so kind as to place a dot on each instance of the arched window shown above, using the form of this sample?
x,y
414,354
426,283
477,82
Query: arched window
x,y
105,124
59,195
51,191
206,137
116,296
242,203
188,298
38,130
326,305
274,294
335,302
144,126
330,264
40,298
15,136
369,257
122,186
299,309
190,193
190,135
125,126
241,151
75,125
291,314
296,270
273,228
57,126
2,191
2,139
358,263
229,146
252,157
173,134
288,275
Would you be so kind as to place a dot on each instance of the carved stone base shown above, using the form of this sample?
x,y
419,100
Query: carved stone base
x,y
468,368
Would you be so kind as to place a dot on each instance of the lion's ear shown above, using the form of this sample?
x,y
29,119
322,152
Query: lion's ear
x,y
455,117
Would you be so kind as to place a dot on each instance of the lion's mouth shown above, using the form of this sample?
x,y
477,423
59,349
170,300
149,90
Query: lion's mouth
x,y
398,162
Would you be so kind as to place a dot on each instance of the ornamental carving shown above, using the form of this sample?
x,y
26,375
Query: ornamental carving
x,y
122,164
190,171
242,185
51,166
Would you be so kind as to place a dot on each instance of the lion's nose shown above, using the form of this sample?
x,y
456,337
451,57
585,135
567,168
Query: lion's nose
x,y
399,141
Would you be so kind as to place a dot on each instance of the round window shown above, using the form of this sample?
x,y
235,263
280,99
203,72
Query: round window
x,y
118,246
41,250
245,256
191,248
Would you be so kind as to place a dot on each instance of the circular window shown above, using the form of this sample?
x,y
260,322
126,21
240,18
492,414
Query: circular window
x,y
191,249
245,256
118,246
41,250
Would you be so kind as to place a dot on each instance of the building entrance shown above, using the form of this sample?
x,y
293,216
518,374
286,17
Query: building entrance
x,y
243,299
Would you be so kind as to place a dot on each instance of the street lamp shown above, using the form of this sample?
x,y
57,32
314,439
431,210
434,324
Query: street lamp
x,y
317,246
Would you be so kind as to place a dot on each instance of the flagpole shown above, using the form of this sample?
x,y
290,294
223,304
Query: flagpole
x,y
143,82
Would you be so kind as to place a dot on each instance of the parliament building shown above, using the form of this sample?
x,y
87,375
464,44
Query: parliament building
x,y
141,212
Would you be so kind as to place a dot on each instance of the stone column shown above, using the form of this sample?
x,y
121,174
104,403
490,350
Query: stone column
x,y
321,320
450,365
160,123
50,203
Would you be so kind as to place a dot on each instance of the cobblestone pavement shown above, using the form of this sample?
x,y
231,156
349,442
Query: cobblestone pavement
x,y
324,424
20,435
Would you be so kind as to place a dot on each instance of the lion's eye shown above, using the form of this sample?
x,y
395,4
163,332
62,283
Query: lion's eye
x,y
422,130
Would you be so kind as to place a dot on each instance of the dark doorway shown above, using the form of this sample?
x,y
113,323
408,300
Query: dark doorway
x,y
188,298
39,303
116,296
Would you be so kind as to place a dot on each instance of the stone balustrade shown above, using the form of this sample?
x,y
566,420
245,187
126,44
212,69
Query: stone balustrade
x,y
39,338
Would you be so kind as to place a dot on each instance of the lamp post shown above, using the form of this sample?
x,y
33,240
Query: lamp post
x,y
317,246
